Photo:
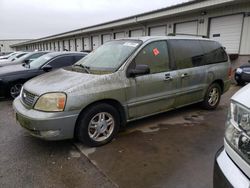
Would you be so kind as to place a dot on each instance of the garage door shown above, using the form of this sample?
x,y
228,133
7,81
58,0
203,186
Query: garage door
x,y
189,28
119,35
56,46
79,45
86,44
106,38
60,45
72,45
136,33
66,45
157,31
95,42
227,31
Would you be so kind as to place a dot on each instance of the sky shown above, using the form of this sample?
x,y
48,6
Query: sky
x,y
30,19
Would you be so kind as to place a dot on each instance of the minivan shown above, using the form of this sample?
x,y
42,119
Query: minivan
x,y
121,81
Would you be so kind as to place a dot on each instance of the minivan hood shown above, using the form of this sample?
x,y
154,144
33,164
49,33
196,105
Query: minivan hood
x,y
11,70
242,96
9,63
57,81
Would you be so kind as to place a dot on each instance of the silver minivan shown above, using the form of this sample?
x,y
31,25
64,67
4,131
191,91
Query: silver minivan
x,y
121,81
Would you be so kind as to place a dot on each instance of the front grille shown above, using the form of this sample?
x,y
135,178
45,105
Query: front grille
x,y
28,98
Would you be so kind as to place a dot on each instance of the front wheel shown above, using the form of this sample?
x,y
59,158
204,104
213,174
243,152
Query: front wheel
x,y
212,97
98,125
15,90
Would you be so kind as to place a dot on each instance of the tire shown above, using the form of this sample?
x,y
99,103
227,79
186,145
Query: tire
x,y
240,82
98,125
212,97
15,90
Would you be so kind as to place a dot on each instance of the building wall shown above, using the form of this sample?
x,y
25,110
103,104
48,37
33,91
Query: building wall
x,y
5,44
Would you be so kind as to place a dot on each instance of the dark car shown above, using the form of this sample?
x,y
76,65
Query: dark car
x,y
27,58
13,77
242,74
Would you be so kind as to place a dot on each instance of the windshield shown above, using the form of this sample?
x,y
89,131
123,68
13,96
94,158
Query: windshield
x,y
110,56
22,58
37,63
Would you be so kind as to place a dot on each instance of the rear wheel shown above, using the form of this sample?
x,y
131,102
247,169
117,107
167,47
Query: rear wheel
x,y
15,90
212,97
98,125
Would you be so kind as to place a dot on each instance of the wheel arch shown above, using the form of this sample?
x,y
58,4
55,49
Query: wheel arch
x,y
116,104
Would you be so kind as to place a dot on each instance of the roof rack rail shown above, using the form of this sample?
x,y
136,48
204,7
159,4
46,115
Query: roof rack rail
x,y
183,34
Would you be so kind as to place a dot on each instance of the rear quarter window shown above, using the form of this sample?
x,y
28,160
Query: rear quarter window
x,y
213,52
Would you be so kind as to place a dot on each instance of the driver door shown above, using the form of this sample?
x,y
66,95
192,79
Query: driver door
x,y
154,92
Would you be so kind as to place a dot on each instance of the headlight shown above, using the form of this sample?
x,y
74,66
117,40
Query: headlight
x,y
51,102
240,116
239,70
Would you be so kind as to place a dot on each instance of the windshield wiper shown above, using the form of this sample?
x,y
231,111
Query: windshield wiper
x,y
86,68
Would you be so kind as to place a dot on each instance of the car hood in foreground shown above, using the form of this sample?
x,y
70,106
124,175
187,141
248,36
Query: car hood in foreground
x,y
242,96
58,81
12,70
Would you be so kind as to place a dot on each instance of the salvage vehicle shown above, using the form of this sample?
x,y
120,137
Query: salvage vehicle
x,y
242,74
232,162
7,56
27,58
13,77
121,81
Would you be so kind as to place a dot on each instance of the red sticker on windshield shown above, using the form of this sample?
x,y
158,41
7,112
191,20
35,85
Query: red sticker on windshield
x,y
156,52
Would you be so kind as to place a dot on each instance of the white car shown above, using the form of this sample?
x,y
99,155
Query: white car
x,y
232,162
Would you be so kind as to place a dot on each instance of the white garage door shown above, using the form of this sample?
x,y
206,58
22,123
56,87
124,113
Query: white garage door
x,y
56,46
72,45
189,28
95,42
79,44
227,31
106,38
157,31
60,45
66,45
136,33
86,43
119,35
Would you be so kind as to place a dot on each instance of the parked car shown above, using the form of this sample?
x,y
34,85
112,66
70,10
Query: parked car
x,y
242,74
13,77
27,58
7,56
13,57
232,162
121,81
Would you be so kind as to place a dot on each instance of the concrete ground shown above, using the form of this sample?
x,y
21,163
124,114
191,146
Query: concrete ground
x,y
174,149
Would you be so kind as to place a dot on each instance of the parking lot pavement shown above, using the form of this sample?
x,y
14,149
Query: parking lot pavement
x,y
29,162
174,149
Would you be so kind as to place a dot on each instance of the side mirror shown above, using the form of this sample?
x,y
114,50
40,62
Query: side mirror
x,y
26,61
139,70
47,68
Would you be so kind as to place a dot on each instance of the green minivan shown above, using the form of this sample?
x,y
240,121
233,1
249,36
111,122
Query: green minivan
x,y
121,81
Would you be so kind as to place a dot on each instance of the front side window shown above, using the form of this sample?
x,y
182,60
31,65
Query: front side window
x,y
187,53
63,61
155,55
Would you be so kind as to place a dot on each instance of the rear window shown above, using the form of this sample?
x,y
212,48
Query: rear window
x,y
213,52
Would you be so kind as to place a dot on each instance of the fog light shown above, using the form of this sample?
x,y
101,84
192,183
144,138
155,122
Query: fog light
x,y
50,133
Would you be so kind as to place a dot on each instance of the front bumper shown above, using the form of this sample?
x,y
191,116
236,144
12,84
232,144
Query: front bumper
x,y
48,126
226,173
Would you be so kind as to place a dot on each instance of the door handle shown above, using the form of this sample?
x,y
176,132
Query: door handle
x,y
168,77
184,75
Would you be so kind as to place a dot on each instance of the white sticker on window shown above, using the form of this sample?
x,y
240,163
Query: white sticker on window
x,y
130,44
